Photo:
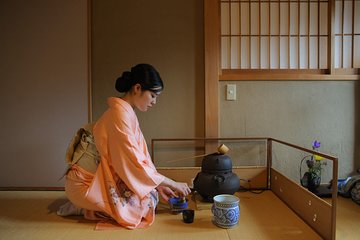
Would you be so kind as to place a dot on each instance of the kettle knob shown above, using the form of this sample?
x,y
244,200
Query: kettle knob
x,y
219,178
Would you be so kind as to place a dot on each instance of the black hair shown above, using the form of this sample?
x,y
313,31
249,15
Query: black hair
x,y
143,74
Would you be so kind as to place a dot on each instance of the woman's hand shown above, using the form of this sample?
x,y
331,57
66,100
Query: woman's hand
x,y
182,189
166,193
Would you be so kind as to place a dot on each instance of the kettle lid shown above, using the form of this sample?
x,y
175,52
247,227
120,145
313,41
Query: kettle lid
x,y
216,162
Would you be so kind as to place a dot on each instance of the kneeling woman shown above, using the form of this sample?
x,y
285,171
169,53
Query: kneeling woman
x,y
125,185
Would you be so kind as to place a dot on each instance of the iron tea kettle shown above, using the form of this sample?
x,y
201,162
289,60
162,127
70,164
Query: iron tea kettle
x,y
216,177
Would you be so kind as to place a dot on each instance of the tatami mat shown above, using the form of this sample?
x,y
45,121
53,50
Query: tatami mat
x,y
31,215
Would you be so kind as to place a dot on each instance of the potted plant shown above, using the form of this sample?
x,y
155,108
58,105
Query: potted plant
x,y
312,177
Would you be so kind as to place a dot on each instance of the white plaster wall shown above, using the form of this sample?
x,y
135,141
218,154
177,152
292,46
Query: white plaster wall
x,y
298,112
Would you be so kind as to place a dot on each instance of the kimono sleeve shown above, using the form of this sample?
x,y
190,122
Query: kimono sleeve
x,y
129,159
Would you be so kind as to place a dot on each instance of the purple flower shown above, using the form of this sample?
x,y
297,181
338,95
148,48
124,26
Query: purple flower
x,y
316,144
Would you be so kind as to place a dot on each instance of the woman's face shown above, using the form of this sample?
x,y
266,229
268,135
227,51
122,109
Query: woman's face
x,y
145,99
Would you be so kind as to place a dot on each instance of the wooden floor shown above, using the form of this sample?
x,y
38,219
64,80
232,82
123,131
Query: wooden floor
x,y
31,215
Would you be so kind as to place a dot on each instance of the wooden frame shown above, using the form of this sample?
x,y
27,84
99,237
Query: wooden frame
x,y
89,90
212,17
316,212
286,75
212,67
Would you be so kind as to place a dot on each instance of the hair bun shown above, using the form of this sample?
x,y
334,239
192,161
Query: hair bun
x,y
143,74
123,83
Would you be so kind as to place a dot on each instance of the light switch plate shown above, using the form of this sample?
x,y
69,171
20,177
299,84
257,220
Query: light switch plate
x,y
231,92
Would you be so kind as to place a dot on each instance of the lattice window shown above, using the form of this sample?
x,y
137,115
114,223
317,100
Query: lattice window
x,y
347,34
290,34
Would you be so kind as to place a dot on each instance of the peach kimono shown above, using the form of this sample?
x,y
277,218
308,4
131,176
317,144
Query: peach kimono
x,y
124,183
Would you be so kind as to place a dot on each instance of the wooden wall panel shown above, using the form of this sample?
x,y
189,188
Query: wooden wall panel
x,y
313,210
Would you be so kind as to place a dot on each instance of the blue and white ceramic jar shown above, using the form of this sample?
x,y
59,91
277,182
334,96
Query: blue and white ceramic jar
x,y
226,210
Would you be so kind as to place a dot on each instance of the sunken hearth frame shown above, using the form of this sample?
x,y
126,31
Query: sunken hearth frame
x,y
318,213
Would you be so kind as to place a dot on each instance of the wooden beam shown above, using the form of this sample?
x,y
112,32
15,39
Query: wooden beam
x,y
212,66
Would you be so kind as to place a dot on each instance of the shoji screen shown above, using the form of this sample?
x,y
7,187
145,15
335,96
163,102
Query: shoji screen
x,y
288,34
